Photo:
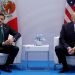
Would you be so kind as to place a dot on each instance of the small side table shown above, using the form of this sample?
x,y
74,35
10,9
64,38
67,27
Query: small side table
x,y
33,48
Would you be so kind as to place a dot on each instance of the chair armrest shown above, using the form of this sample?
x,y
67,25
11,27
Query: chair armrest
x,y
19,55
56,43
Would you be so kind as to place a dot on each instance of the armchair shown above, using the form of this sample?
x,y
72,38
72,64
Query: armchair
x,y
3,57
70,59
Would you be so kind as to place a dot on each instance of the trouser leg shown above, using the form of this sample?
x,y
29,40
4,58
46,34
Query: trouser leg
x,y
12,52
12,55
61,54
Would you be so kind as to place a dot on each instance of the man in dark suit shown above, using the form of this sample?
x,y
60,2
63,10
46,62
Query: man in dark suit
x,y
6,44
66,43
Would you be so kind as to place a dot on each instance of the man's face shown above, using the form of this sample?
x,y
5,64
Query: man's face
x,y
1,19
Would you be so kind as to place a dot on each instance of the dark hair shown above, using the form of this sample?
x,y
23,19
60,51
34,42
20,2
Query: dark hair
x,y
1,14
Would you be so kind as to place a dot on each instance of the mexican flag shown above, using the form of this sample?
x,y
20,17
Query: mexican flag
x,y
8,7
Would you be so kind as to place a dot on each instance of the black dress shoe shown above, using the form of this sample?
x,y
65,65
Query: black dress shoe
x,y
6,69
63,70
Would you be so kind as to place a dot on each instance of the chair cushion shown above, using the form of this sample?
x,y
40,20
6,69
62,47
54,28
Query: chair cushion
x,y
70,60
3,58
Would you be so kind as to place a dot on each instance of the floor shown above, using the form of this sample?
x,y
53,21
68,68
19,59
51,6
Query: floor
x,y
37,68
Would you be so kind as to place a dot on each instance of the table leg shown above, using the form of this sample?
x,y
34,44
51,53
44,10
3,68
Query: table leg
x,y
26,60
48,60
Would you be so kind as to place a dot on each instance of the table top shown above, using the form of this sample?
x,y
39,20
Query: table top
x,y
32,47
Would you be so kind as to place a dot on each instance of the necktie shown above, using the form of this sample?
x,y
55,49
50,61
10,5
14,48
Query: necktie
x,y
1,35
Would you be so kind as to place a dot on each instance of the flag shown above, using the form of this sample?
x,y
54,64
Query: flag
x,y
69,9
8,8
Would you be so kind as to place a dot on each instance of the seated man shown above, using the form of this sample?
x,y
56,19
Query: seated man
x,y
6,44
66,43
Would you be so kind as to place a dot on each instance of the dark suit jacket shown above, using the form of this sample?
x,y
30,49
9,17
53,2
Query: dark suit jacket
x,y
8,30
67,35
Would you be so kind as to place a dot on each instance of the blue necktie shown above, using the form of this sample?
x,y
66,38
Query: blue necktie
x,y
1,35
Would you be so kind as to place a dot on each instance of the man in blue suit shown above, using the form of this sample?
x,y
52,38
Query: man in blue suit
x,y
6,44
66,43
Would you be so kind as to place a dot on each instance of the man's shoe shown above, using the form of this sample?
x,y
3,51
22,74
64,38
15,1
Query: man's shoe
x,y
63,70
6,69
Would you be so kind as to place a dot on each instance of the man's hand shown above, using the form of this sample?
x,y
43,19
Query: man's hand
x,y
71,50
9,42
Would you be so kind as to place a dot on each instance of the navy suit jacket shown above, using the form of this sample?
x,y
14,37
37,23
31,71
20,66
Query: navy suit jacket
x,y
67,35
8,30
